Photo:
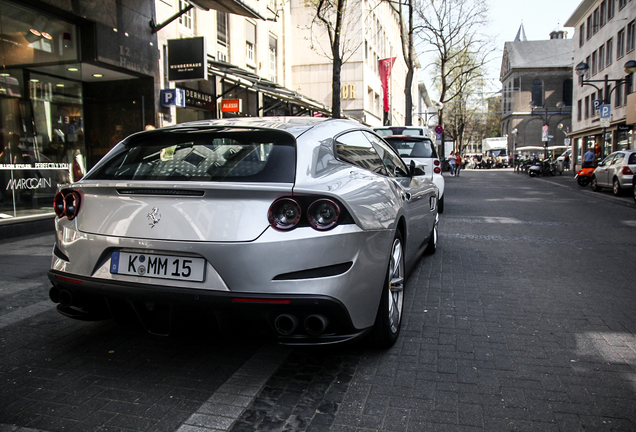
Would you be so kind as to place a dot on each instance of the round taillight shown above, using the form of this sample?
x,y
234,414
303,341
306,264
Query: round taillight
x,y
436,162
437,170
323,214
58,204
71,205
284,214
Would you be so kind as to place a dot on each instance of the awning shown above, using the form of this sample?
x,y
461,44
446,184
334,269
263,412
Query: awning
x,y
529,148
254,82
247,8
558,147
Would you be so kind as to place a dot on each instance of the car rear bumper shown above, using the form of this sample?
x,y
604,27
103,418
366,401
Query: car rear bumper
x,y
156,307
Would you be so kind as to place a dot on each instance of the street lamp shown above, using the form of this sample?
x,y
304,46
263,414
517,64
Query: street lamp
x,y
546,122
582,69
514,133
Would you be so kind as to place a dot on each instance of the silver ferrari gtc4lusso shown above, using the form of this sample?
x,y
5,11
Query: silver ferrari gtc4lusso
x,y
302,227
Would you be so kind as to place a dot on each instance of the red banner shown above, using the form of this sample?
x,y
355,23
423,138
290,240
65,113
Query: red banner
x,y
385,66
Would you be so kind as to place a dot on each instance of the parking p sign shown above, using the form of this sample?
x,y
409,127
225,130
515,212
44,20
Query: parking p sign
x,y
605,114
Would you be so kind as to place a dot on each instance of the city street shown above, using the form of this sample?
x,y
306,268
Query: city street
x,y
524,320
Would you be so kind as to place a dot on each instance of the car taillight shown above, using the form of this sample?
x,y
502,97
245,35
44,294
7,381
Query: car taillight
x,y
66,204
437,170
436,162
626,171
323,214
284,214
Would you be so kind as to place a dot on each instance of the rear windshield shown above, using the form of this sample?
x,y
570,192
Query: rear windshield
x,y
400,131
202,155
412,148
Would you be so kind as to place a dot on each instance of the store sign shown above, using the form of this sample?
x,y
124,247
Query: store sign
x,y
29,183
187,59
199,99
231,105
631,108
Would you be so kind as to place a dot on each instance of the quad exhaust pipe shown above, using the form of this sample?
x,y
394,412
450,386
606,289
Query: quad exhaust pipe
x,y
63,297
287,324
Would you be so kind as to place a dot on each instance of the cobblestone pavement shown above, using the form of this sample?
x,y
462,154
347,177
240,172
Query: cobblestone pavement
x,y
524,320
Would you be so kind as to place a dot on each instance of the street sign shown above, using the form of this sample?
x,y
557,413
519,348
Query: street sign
x,y
606,112
597,103
439,129
566,141
173,97
545,128
544,136
438,139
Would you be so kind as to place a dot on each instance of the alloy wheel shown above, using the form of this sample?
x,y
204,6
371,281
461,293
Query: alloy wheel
x,y
396,285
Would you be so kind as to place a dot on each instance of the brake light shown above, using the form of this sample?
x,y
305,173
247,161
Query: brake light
x,y
66,204
626,171
323,214
284,214
437,170
436,162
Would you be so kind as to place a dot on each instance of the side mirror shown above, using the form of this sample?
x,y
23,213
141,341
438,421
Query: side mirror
x,y
416,170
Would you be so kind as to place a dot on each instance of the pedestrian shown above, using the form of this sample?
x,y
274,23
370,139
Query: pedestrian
x,y
458,164
451,163
566,161
588,158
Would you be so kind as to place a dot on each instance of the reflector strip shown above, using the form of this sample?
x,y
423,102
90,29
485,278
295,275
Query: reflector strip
x,y
256,300
65,279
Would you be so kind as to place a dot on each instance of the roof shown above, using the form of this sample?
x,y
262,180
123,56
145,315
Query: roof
x,y
551,53
579,13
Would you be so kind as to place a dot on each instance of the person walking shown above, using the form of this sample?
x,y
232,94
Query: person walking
x,y
588,158
451,163
458,164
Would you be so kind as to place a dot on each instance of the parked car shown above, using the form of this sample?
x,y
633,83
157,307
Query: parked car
x,y
302,227
413,143
615,171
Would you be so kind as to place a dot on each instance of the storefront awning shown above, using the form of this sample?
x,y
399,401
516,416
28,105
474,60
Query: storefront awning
x,y
256,83
247,8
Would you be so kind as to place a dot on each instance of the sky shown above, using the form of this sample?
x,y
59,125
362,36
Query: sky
x,y
539,17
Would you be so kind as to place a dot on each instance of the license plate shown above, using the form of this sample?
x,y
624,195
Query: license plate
x,y
158,266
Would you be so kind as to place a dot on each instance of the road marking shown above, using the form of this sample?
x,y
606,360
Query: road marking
x,y
230,400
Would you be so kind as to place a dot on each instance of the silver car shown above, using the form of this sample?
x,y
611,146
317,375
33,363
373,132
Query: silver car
x,y
615,171
301,227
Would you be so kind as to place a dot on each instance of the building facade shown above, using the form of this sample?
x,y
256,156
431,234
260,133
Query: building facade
x,y
605,40
537,92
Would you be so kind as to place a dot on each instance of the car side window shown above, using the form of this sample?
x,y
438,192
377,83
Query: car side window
x,y
632,159
618,159
608,160
354,148
394,164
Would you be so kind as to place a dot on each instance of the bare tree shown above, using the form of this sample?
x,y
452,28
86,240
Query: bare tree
x,y
335,18
451,30
408,48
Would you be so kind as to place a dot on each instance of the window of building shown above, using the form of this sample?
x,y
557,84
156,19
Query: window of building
x,y
631,38
582,35
618,97
579,112
620,44
222,39
601,57
537,93
594,63
610,9
567,92
185,20
589,27
595,19
609,52
603,17
587,107
273,58
250,45
621,4
271,4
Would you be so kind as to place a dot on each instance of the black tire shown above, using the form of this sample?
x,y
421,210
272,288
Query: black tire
x,y
431,248
616,187
634,192
532,173
595,186
389,317
440,205
583,181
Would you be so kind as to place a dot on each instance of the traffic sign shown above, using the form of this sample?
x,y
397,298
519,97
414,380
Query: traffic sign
x,y
545,128
439,129
606,112
597,103
544,136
